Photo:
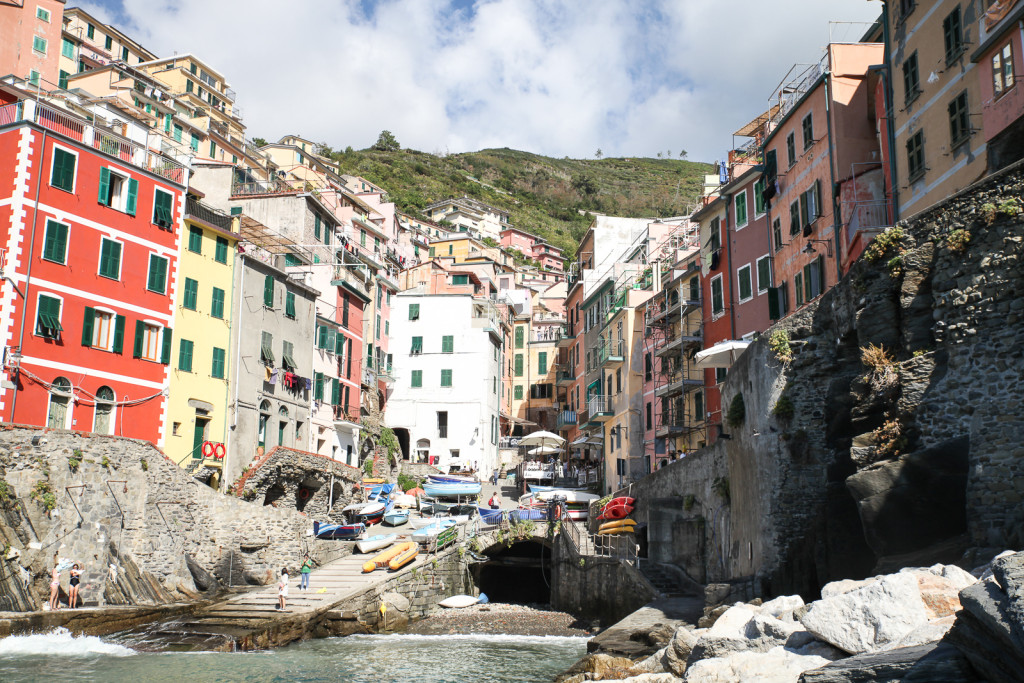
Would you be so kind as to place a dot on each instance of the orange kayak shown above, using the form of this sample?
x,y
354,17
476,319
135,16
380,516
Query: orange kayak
x,y
407,555
384,559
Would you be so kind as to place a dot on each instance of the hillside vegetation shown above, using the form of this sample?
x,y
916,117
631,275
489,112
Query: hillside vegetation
x,y
545,196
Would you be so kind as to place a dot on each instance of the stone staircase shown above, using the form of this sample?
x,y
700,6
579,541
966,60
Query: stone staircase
x,y
662,579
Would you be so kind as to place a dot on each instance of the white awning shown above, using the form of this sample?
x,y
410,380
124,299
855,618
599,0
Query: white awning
x,y
721,355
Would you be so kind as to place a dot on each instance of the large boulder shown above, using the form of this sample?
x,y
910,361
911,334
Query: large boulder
x,y
868,618
671,658
742,628
777,665
595,667
931,663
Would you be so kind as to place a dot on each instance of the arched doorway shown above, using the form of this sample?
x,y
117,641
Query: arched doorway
x,y
402,435
261,434
282,425
103,421
422,450
58,414
520,573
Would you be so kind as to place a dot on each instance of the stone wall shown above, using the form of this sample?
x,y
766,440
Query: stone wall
x,y
915,463
133,520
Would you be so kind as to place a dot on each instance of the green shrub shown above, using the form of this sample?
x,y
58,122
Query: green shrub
x,y
145,465
43,493
5,491
778,342
783,408
721,487
737,411
405,482
957,240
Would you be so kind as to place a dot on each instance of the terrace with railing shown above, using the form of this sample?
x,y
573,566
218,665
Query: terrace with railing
x,y
196,209
262,187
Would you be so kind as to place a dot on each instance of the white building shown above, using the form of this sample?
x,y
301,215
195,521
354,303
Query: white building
x,y
448,358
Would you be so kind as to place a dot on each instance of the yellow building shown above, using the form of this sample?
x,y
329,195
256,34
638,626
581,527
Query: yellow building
x,y
87,43
201,362
535,370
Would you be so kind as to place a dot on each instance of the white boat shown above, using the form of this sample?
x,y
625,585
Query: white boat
x,y
570,495
431,531
369,545
458,601
404,500
420,522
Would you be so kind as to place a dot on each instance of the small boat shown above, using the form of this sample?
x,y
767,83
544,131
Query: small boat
x,y
374,543
407,555
459,601
429,532
616,524
404,500
338,531
371,513
452,478
570,495
489,516
384,559
420,522
396,517
528,514
451,490
538,488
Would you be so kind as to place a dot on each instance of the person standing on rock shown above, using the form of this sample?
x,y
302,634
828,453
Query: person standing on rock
x,y
282,589
73,586
307,567
55,586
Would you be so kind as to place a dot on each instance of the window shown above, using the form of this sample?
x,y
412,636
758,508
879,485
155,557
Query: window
x,y
414,311
178,131
915,156
377,327
213,149
447,344
335,392
156,281
90,31
318,386
43,14
217,370
648,367
62,171
162,216
268,291
39,44
810,203
108,43
1002,70
717,299
807,126
110,259
460,279
442,424
48,317
798,286
519,365
60,398
517,392
191,296
221,252
764,274
417,346
721,374
953,35
744,283
716,235
62,79
417,378
446,378
542,363
911,79
67,48
194,143
267,348
102,420
287,355
33,77
117,191
741,209
185,355
814,278
519,336
794,217
148,342
759,207
959,120
777,233
55,243
791,148
217,303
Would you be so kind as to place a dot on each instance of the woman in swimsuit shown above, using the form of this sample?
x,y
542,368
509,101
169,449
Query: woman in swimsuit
x,y
55,587
73,583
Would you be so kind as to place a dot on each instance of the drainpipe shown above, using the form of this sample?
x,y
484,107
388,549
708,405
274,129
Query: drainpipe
x,y
31,254
890,132
832,176
238,361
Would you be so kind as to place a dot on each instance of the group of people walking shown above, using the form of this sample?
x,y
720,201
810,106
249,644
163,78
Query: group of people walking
x,y
73,582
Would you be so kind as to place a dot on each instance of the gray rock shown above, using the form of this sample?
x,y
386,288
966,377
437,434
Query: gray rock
x,y
777,665
741,629
204,580
868,618
931,663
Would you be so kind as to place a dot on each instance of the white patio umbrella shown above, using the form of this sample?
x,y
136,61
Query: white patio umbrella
x,y
542,439
544,450
721,355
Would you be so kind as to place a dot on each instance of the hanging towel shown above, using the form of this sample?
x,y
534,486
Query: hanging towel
x,y
267,374
273,376
308,382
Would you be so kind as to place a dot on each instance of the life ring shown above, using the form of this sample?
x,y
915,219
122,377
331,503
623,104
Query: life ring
x,y
208,449
303,494
219,451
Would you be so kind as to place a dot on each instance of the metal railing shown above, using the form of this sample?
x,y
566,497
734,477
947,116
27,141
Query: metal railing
x,y
616,547
194,207
565,419
598,405
274,186
612,350
868,215
571,531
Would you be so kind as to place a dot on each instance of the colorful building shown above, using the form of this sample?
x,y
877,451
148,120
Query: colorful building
x,y
31,45
999,60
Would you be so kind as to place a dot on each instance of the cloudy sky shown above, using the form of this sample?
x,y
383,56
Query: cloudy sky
x,y
555,77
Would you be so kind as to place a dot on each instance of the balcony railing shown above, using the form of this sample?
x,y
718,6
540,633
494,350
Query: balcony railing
x,y
868,215
108,142
566,418
549,333
257,187
599,406
195,208
612,351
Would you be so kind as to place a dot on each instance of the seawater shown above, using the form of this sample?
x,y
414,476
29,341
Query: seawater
x,y
371,658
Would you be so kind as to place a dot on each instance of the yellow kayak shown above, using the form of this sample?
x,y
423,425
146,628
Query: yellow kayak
x,y
407,555
616,524
616,530
384,558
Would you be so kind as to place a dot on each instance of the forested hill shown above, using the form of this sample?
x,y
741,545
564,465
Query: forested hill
x,y
545,196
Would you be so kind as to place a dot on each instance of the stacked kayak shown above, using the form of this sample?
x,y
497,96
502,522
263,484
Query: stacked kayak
x,y
391,556
577,503
619,526
617,508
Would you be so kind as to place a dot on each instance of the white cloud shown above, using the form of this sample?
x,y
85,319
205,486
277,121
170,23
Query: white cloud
x,y
550,76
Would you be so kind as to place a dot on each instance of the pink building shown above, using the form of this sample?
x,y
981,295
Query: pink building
x,y
31,43
550,257
1000,60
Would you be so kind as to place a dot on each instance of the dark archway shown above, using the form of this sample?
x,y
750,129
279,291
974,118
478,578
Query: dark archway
x,y
274,494
518,574
402,434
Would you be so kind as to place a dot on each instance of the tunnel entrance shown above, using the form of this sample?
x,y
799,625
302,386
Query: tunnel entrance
x,y
519,574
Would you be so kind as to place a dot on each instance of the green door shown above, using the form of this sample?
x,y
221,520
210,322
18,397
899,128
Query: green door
x,y
199,437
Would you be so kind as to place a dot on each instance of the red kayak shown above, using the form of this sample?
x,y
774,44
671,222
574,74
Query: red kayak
x,y
617,508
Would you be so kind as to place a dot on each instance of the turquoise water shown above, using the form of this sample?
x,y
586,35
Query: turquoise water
x,y
369,658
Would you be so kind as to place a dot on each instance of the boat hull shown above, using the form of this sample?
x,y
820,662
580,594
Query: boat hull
x,y
405,557
453,490
375,543
396,517
338,532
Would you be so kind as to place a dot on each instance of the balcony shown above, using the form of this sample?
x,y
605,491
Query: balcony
x,y
350,272
388,279
565,376
600,408
70,126
613,352
670,348
865,216
676,382
566,337
199,211
566,419
261,187
384,372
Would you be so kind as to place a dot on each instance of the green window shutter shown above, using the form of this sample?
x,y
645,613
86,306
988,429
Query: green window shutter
x,y
217,306
318,386
417,378
446,378
104,194
414,311
339,343
377,328
221,253
287,349
316,226
460,279
140,335
157,274
542,363
519,337
110,258
267,348
331,341
191,294
517,392
321,337
165,351
56,242
213,149
817,197
335,392
178,130
167,123
87,323
195,143
417,345
289,304
185,355
62,175
195,239
519,365
448,344
268,291
133,196
773,303
763,273
218,363
189,85
432,249
118,334
162,215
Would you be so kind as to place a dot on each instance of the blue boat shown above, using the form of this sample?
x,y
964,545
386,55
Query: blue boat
x,y
338,532
451,490
430,531
396,517
489,516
